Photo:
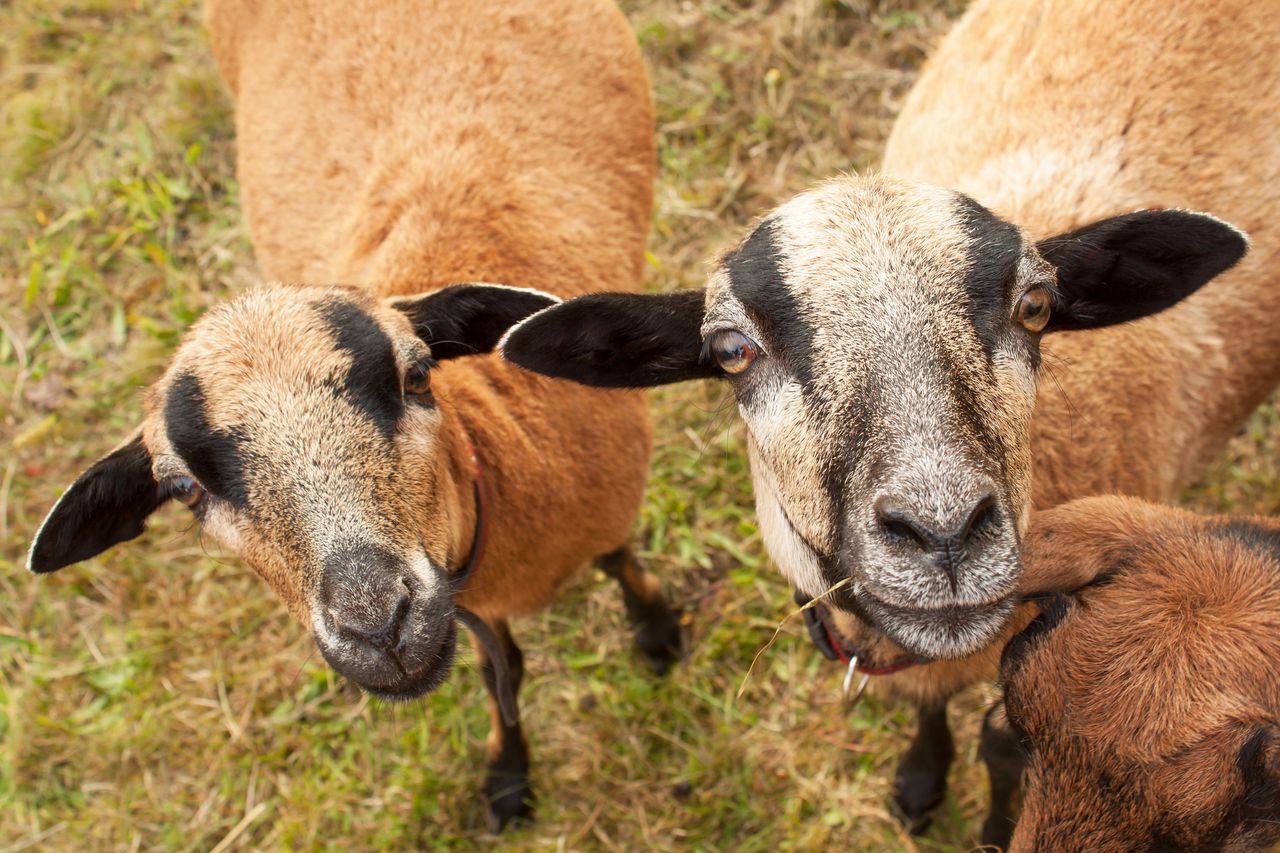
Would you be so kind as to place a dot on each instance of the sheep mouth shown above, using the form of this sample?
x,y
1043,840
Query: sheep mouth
x,y
939,633
834,645
925,634
416,683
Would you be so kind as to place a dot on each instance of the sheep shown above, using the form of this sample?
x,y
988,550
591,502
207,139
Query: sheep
x,y
1148,702
881,338
333,437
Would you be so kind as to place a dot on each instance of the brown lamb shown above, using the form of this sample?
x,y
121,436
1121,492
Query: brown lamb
x,y
1148,701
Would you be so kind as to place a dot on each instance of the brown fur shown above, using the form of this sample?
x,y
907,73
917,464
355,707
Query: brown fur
x,y
1136,703
403,148
1056,114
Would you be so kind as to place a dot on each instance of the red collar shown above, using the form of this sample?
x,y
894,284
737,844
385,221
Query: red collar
x,y
843,649
494,650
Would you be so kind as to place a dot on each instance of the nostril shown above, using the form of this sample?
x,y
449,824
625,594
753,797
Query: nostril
x,y
401,612
899,524
983,516
935,535
384,637
903,530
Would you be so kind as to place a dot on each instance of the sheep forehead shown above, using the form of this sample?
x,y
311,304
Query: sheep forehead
x,y
286,342
285,379
271,334
868,262
876,228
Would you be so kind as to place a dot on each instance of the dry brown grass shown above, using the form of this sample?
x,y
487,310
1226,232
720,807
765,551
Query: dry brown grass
x,y
158,698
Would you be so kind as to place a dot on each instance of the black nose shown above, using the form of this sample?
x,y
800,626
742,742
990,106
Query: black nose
x,y
945,536
366,598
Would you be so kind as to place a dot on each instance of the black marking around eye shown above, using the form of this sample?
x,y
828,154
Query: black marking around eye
x,y
372,383
215,457
995,247
756,279
757,282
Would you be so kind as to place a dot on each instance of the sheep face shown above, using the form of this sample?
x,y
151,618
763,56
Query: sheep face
x,y
300,428
887,401
882,340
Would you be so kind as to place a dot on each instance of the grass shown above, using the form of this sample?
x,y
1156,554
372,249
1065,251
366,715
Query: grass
x,y
159,698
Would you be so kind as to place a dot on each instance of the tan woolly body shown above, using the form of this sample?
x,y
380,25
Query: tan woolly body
x,y
1055,114
401,147
1150,702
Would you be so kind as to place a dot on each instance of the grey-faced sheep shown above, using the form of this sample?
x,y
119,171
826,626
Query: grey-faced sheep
x,y
335,438
1148,702
883,337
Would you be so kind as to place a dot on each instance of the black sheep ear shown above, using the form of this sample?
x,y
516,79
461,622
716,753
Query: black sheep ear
x,y
615,340
1127,267
469,319
108,504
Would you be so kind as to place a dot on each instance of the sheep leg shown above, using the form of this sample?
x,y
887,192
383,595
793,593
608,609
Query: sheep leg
x,y
506,785
921,780
656,623
1000,750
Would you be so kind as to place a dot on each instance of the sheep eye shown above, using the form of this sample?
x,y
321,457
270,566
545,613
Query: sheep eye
x,y
733,351
417,379
1033,310
185,490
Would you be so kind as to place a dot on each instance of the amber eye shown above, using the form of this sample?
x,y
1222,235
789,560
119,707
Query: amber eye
x,y
417,379
1033,309
185,490
733,351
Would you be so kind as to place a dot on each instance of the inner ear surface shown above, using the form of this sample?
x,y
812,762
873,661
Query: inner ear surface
x,y
108,504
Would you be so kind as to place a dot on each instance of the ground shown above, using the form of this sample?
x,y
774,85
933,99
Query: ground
x,y
158,697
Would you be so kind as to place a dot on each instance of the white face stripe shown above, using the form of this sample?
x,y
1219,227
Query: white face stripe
x,y
221,522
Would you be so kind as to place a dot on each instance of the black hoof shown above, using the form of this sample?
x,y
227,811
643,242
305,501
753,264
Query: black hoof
x,y
660,639
916,824
997,832
510,801
915,795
